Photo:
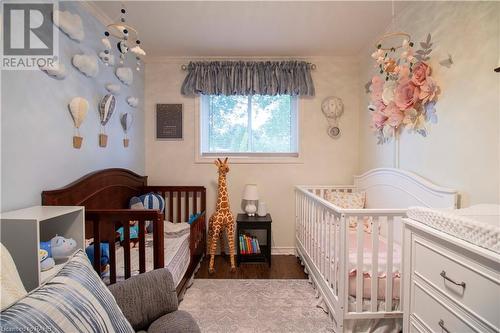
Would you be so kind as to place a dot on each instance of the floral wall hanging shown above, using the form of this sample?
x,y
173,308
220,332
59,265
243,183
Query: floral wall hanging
x,y
403,94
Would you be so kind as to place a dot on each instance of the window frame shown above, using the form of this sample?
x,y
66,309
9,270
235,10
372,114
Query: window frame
x,y
201,137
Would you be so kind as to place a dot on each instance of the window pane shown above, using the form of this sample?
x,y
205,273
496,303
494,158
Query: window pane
x,y
249,124
271,124
228,124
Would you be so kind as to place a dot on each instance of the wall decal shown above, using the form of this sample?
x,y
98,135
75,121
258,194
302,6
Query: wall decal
x,y
70,24
113,88
404,95
78,108
106,109
447,62
125,75
169,122
87,64
126,120
57,70
333,108
133,101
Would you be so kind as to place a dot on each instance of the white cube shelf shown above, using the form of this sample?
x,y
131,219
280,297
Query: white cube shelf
x,y
22,231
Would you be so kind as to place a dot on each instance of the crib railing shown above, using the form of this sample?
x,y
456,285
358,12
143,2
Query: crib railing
x,y
324,235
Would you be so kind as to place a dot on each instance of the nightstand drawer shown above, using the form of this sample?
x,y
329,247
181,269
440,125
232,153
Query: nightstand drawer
x,y
474,287
431,313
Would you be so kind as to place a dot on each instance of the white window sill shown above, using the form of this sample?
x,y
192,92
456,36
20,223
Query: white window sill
x,y
249,159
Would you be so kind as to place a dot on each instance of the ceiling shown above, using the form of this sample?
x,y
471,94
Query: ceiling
x,y
253,28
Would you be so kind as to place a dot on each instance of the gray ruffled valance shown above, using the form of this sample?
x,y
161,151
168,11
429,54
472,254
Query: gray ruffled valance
x,y
249,78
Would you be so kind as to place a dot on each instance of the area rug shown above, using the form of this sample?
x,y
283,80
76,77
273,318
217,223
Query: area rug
x,y
237,306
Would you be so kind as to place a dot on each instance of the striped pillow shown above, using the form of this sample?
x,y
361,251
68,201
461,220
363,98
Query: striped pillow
x,y
74,300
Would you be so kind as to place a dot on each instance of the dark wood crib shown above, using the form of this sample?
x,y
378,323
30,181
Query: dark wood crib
x,y
106,194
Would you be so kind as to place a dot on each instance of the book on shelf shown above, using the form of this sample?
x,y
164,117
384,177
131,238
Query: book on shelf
x,y
248,244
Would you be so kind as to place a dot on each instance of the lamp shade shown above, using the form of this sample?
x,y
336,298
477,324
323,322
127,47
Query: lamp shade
x,y
250,192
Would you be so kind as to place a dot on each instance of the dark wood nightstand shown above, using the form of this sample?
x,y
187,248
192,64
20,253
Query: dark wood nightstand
x,y
245,222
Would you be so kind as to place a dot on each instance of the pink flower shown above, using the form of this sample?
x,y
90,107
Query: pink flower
x,y
428,90
403,71
420,72
379,105
394,114
377,88
378,119
406,94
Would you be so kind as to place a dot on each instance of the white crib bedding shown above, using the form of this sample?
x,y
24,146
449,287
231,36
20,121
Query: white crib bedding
x,y
176,254
381,325
367,266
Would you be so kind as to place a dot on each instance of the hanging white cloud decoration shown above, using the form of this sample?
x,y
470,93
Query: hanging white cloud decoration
x,y
113,88
108,59
106,43
138,51
87,64
70,24
125,75
133,101
56,70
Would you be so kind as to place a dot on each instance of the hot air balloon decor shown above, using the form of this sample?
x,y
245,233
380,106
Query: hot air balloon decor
x,y
106,108
126,122
78,108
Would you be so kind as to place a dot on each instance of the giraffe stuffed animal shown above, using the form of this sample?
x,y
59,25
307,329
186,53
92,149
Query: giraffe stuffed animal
x,y
222,219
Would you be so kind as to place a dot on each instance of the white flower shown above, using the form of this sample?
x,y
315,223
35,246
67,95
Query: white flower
x,y
377,54
407,55
388,92
406,44
388,131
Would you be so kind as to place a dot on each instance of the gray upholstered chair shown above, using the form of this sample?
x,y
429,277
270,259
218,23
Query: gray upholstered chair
x,y
149,302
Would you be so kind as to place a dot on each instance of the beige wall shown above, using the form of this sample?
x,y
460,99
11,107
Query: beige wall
x,y
462,150
326,161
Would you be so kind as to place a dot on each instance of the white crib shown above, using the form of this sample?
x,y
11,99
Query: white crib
x,y
334,254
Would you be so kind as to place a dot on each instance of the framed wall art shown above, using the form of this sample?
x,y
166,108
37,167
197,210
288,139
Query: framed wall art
x,y
169,122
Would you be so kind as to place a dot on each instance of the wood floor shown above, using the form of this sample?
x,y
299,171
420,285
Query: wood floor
x,y
283,267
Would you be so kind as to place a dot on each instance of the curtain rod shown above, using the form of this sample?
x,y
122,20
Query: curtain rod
x,y
184,67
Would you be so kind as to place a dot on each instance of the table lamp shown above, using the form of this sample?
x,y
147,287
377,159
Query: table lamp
x,y
251,195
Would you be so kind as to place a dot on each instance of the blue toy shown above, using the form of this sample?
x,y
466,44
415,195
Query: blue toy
x,y
104,253
46,262
59,247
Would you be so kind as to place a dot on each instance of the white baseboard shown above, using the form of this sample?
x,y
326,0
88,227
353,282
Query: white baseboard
x,y
277,250
283,251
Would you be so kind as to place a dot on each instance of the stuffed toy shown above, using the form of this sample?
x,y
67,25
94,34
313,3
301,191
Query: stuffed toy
x,y
46,262
59,247
134,234
89,250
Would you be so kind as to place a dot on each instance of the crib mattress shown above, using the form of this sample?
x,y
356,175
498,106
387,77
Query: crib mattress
x,y
176,254
479,225
367,266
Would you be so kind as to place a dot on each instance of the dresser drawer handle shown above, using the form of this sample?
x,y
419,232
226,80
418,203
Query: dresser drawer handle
x,y
441,324
461,284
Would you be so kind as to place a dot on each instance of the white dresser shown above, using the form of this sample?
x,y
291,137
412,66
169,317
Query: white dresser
x,y
450,285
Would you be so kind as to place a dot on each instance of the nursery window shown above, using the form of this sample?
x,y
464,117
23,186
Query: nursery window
x,y
255,125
